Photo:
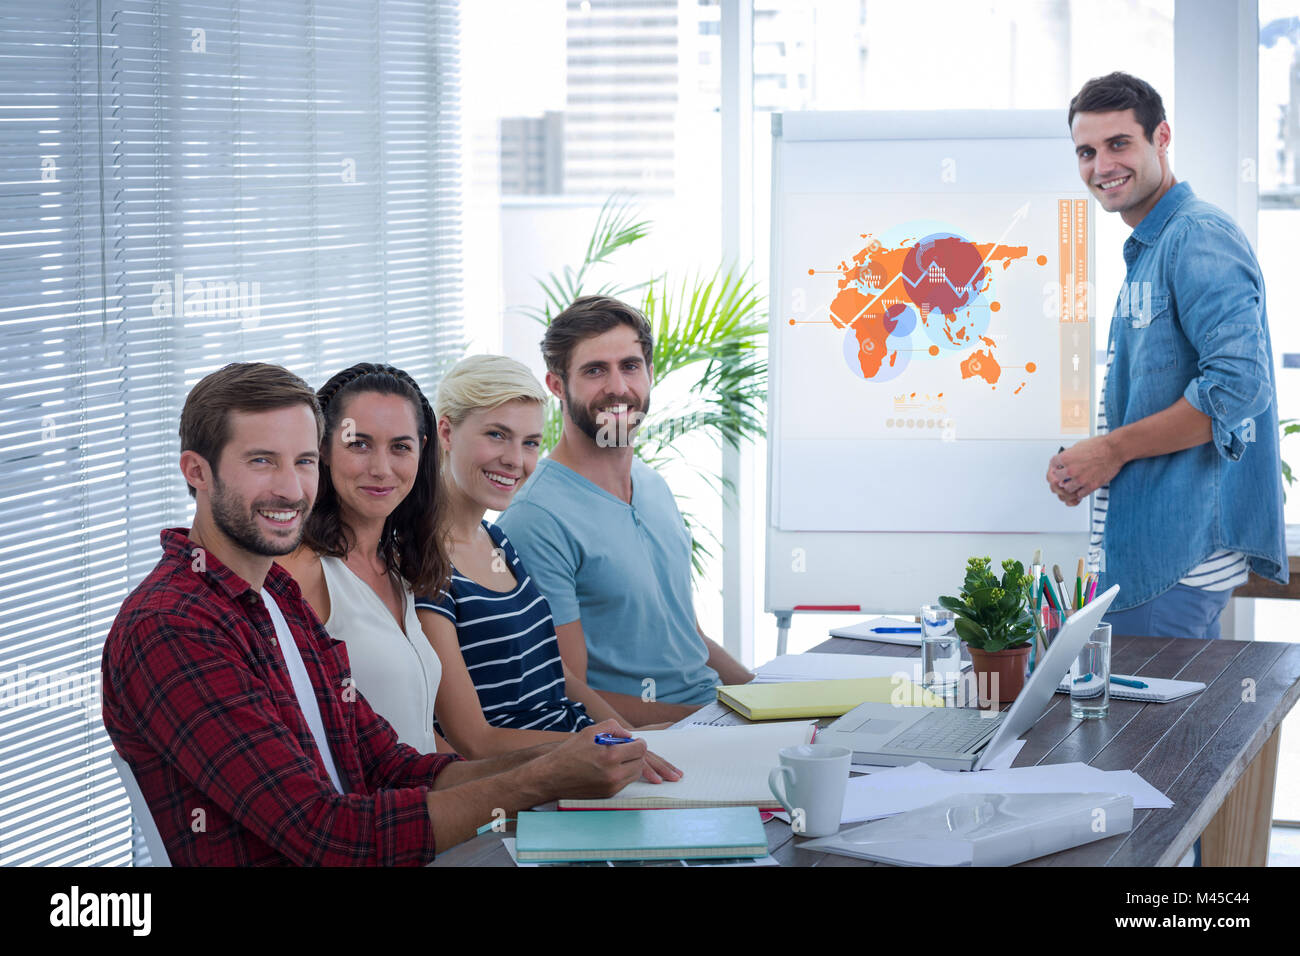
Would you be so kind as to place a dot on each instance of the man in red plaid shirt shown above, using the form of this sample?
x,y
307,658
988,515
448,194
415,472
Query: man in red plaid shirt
x,y
235,709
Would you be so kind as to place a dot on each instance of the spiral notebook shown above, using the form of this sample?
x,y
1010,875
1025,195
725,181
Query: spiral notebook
x,y
1159,690
721,767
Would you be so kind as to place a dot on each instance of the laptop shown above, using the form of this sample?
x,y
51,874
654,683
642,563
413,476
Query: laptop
x,y
963,738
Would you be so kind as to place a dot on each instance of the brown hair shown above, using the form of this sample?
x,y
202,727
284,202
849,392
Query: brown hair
x,y
413,541
239,387
1120,91
588,316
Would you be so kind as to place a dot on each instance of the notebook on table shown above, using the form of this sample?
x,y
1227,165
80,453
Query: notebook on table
x,y
822,698
897,631
1159,690
721,767
688,834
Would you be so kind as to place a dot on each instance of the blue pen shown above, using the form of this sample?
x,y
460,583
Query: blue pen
x,y
895,630
1124,681
608,740
1128,682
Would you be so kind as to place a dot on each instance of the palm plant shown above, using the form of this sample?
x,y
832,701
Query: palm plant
x,y
1289,426
709,336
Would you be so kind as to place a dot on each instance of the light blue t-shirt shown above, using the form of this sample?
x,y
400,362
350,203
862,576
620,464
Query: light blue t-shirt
x,y
624,570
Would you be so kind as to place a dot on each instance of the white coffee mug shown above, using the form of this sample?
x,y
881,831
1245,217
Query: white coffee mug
x,y
812,779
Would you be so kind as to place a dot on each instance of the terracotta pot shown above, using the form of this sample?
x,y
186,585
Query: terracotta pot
x,y
1000,675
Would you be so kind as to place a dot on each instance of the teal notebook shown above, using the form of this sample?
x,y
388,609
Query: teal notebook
x,y
577,835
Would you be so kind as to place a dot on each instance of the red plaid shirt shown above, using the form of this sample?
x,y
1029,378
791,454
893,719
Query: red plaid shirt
x,y
198,700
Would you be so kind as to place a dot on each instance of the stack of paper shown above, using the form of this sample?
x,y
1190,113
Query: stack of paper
x,y
721,767
799,667
901,789
986,829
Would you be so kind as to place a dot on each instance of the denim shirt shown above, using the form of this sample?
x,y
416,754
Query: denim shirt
x,y
1191,323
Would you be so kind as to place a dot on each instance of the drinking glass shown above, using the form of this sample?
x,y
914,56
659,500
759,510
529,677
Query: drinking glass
x,y
1090,677
940,650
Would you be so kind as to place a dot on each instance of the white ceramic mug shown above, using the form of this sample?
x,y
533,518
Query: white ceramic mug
x,y
810,784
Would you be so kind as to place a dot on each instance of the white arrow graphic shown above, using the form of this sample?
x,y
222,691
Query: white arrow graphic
x,y
1021,213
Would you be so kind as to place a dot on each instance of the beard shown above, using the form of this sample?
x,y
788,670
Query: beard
x,y
607,435
240,526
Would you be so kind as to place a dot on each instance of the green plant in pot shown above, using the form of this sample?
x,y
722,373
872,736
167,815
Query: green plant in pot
x,y
994,620
710,334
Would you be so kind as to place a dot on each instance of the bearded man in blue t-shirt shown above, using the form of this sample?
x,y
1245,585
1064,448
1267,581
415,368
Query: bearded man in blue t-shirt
x,y
601,533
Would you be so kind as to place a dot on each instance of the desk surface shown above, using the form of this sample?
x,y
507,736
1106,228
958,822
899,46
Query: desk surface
x,y
1194,749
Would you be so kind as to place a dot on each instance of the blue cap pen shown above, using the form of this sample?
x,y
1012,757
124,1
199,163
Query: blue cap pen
x,y
1127,681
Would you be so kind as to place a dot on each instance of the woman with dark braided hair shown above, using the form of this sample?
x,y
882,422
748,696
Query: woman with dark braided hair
x,y
375,538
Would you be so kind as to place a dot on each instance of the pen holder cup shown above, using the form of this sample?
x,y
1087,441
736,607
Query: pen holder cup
x,y
1052,621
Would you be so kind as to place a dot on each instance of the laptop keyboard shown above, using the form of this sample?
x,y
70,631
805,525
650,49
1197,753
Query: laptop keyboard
x,y
953,730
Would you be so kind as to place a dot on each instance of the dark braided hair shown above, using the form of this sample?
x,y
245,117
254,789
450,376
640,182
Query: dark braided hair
x,y
412,543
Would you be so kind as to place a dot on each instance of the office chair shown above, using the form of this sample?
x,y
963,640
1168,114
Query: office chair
x,y
140,810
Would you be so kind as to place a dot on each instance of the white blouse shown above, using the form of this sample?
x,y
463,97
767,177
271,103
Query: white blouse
x,y
394,668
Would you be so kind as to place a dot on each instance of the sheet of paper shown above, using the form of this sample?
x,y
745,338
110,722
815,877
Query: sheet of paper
x,y
1144,794
794,667
887,792
768,860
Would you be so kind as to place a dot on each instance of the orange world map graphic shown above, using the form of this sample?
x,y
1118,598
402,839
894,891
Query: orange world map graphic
x,y
940,276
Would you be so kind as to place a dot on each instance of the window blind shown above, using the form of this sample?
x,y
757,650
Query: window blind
x,y
185,183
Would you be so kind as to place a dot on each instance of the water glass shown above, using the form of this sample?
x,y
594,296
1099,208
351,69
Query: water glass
x,y
1090,677
940,650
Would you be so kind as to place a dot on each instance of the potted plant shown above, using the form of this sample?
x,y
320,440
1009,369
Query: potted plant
x,y
994,620
710,333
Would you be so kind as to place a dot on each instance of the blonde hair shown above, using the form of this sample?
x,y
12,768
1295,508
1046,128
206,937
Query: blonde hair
x,y
485,381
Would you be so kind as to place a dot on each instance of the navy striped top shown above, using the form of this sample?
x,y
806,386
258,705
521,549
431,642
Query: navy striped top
x,y
508,641
1222,571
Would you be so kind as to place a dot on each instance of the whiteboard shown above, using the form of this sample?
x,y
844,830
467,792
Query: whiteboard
x,y
931,347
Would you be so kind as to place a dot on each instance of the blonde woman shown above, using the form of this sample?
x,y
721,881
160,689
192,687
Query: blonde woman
x,y
502,676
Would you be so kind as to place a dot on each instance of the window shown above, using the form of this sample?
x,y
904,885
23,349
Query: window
x,y
191,184
1279,247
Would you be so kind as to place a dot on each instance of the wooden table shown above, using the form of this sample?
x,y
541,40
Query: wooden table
x,y
1214,754
1257,587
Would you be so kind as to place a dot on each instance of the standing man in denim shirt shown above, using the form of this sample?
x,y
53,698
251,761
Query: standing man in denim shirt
x,y
1187,479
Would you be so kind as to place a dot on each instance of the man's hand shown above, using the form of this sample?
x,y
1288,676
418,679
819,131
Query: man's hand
x,y
1083,468
655,769
583,769
659,770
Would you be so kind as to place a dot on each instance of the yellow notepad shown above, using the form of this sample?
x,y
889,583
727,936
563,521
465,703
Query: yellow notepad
x,y
822,698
